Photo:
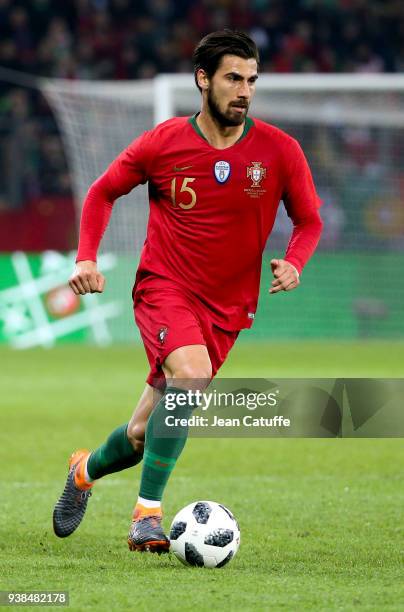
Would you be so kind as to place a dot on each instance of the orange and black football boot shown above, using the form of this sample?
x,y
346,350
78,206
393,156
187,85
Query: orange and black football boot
x,y
72,504
146,533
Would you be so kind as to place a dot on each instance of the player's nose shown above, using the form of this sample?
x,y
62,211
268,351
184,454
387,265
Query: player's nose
x,y
244,90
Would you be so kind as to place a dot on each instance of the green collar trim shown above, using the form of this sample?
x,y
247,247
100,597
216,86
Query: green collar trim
x,y
248,124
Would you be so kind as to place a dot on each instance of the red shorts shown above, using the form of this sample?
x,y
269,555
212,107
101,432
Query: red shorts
x,y
169,317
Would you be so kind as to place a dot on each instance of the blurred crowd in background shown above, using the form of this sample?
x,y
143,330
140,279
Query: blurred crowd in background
x,y
132,39
121,39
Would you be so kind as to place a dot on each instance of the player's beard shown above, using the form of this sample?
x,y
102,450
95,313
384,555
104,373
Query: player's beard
x,y
228,118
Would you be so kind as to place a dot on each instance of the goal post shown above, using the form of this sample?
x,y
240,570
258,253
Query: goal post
x,y
278,97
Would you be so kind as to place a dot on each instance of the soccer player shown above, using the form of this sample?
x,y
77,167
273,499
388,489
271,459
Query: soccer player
x,y
215,183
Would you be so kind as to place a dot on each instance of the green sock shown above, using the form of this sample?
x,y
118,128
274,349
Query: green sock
x,y
163,445
116,454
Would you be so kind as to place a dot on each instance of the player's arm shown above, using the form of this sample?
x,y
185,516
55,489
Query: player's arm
x,y
129,169
302,204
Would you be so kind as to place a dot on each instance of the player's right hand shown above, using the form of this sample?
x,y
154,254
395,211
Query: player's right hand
x,y
86,278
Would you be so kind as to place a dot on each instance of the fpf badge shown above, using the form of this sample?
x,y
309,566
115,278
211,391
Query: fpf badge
x,y
257,173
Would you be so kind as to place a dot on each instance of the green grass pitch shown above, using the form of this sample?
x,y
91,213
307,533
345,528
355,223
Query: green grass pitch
x,y
321,520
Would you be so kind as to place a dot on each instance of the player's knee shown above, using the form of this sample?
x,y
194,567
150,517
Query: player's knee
x,y
136,435
138,446
194,374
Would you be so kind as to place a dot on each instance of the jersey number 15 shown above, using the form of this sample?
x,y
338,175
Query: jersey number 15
x,y
184,188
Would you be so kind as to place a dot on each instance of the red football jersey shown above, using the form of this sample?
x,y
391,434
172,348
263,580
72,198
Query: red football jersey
x,y
211,210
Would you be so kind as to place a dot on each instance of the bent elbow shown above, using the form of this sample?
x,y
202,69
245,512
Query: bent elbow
x,y
100,188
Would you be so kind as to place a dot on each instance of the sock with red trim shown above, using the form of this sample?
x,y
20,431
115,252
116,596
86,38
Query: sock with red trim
x,y
164,442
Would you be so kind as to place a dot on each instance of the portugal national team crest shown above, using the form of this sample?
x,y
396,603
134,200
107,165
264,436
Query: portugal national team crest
x,y
162,333
257,173
222,171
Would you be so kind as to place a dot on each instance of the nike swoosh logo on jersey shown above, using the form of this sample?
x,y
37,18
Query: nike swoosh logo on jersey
x,y
178,169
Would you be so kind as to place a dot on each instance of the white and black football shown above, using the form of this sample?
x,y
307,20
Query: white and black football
x,y
204,534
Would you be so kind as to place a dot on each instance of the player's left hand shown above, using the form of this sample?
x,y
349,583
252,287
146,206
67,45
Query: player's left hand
x,y
286,276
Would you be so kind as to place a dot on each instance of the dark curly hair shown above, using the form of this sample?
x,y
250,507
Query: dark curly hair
x,y
210,50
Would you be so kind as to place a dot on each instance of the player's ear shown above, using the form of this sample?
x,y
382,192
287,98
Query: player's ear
x,y
202,79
